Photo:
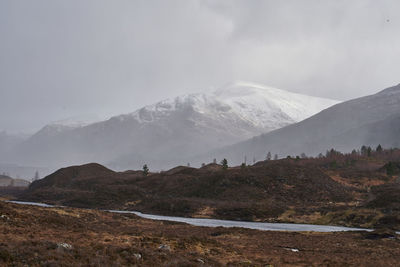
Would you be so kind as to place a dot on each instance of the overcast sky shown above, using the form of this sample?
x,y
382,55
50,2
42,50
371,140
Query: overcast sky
x,y
60,59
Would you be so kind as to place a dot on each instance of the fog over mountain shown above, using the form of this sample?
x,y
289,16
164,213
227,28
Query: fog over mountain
x,y
8,181
62,59
9,141
369,120
168,132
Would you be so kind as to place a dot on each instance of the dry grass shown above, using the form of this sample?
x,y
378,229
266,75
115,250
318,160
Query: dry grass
x,y
35,236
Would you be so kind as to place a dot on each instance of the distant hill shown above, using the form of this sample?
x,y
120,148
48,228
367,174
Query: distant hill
x,y
369,120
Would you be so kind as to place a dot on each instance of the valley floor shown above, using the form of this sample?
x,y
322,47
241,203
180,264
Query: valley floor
x,y
37,236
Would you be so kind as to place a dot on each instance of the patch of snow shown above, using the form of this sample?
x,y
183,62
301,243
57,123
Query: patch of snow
x,y
258,103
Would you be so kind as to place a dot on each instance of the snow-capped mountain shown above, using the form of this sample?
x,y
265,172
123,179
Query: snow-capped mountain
x,y
171,131
269,107
262,107
70,123
369,120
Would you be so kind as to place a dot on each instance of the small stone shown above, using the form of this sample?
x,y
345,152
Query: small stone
x,y
137,256
4,217
64,246
292,249
201,261
164,247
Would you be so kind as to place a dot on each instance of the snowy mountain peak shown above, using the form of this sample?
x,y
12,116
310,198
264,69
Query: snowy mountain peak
x,y
261,106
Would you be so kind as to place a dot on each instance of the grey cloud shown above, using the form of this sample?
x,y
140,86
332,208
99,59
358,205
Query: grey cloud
x,y
64,58
339,49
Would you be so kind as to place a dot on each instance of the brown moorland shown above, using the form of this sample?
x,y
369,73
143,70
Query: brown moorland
x,y
35,236
257,192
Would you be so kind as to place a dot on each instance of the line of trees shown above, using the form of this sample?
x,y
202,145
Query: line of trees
x,y
364,151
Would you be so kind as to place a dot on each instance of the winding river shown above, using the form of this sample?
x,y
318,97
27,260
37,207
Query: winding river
x,y
291,227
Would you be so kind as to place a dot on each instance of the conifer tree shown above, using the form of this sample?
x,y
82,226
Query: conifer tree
x,y
379,148
224,164
364,150
145,170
